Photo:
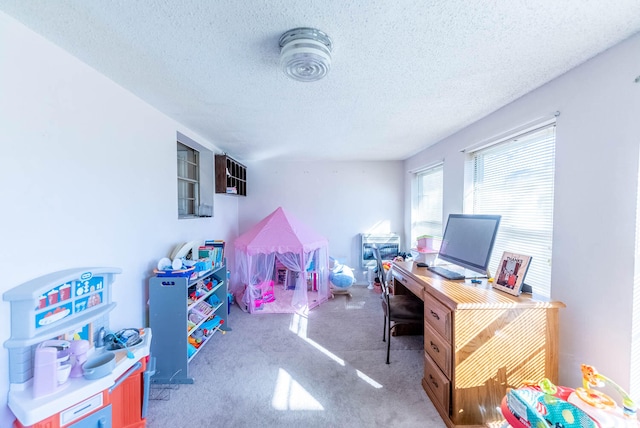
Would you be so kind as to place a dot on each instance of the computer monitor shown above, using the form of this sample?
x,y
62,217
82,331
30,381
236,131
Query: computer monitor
x,y
468,240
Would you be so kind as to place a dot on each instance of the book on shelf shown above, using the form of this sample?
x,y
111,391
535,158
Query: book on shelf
x,y
213,249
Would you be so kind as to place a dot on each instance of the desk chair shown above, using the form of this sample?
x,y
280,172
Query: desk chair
x,y
398,309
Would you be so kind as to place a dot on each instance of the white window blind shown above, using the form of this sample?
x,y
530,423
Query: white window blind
x,y
426,216
514,178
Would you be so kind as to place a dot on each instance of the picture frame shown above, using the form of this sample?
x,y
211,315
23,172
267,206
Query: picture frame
x,y
511,272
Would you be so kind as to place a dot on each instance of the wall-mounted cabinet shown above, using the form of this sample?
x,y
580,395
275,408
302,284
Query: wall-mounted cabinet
x,y
231,176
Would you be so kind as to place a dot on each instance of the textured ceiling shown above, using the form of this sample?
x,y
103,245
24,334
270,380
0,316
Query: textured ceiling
x,y
404,75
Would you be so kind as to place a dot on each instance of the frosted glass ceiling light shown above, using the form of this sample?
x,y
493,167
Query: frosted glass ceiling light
x,y
305,54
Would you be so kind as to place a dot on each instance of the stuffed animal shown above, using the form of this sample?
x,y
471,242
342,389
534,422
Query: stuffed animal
x,y
342,276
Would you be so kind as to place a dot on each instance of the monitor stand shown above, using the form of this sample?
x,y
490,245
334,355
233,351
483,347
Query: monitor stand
x,y
526,288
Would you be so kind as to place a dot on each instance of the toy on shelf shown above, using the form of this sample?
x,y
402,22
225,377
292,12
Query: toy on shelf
x,y
185,272
200,289
196,294
212,325
194,342
214,301
544,404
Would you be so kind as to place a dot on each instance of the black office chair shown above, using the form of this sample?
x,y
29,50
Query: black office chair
x,y
402,309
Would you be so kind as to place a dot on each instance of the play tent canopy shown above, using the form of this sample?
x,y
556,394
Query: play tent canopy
x,y
295,245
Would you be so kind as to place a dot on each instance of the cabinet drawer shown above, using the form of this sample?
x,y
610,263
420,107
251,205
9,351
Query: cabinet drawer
x,y
437,383
101,418
437,316
438,349
407,283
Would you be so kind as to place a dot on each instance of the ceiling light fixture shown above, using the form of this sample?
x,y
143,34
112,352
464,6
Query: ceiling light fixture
x,y
305,54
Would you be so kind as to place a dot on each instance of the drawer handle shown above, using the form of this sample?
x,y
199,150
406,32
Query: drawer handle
x,y
433,381
433,314
434,347
404,280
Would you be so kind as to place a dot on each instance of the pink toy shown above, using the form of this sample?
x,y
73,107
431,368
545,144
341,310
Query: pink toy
x,y
266,293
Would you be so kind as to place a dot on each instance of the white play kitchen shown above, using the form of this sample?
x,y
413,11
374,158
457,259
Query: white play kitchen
x,y
66,367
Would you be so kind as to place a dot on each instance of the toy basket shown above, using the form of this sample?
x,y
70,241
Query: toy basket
x,y
179,272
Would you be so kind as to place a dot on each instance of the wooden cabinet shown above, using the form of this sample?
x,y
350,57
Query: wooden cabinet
x,y
184,315
478,342
231,176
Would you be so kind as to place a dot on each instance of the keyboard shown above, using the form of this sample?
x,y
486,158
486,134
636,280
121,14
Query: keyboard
x,y
449,274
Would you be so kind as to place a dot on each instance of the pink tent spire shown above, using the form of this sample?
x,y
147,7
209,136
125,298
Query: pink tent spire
x,y
279,232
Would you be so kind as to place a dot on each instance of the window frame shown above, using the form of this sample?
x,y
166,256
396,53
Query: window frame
x,y
201,177
188,181
526,208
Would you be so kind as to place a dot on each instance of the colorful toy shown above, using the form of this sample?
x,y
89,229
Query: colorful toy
x,y
544,404
190,349
198,293
214,300
198,335
600,406
212,325
193,342
531,407
266,294
218,327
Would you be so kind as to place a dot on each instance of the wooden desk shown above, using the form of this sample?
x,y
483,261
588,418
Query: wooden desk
x,y
479,341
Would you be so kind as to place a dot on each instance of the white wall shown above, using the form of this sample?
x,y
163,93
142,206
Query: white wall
x,y
88,178
598,133
338,199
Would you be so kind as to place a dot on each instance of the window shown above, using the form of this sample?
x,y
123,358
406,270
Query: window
x,y
187,181
514,177
195,179
426,216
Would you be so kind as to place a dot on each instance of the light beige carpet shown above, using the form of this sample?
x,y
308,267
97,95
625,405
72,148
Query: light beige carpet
x,y
287,370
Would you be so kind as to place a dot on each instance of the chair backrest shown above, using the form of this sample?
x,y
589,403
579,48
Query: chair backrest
x,y
380,270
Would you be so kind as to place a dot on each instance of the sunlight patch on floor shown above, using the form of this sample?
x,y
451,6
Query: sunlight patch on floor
x,y
355,305
299,326
368,379
290,395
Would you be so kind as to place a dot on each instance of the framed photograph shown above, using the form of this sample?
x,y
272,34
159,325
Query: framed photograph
x,y
512,270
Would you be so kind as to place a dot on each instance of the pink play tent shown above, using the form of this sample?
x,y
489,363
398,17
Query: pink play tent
x,y
281,239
